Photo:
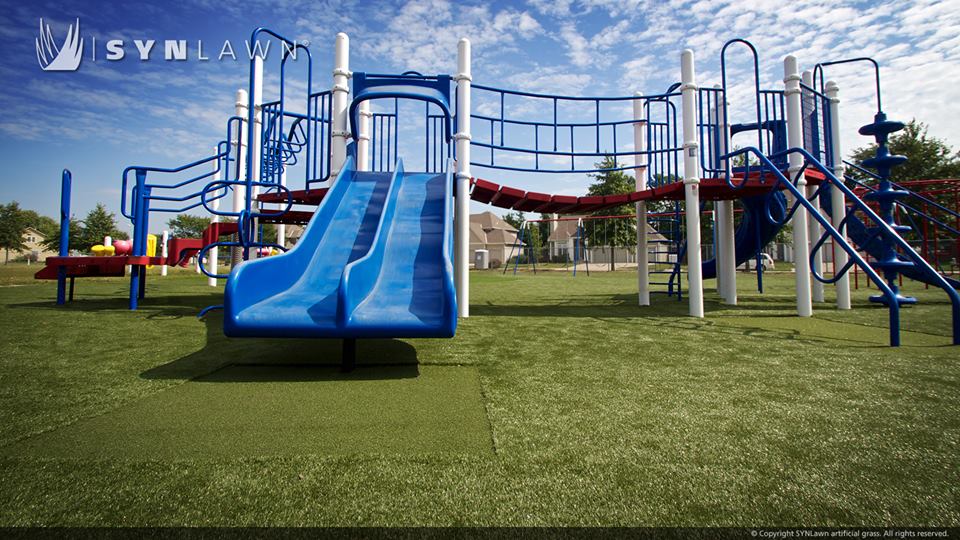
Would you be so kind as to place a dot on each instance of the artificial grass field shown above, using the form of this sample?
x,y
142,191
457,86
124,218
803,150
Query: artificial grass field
x,y
558,403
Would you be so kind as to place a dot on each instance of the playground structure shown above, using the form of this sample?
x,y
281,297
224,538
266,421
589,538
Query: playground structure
x,y
386,252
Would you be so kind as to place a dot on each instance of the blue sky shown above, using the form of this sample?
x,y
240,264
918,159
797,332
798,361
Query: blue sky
x,y
108,115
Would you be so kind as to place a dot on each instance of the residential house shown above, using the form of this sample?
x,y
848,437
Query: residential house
x,y
34,250
490,232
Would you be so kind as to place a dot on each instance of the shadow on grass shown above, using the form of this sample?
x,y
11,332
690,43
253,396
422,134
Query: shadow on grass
x,y
225,359
262,359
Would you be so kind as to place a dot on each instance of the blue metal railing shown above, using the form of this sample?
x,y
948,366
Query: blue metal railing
x,y
819,74
306,135
817,133
881,229
560,144
756,80
384,138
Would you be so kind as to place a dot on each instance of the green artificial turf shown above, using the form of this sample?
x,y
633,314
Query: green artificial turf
x,y
559,402
264,410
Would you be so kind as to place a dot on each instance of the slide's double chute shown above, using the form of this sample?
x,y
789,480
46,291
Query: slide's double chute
x,y
375,261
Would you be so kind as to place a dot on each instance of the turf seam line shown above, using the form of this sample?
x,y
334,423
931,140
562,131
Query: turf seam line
x,y
486,414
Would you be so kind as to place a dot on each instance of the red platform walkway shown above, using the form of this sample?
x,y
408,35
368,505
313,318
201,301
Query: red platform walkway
x,y
484,191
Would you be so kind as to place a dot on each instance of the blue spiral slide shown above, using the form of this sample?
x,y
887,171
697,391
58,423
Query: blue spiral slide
x,y
375,261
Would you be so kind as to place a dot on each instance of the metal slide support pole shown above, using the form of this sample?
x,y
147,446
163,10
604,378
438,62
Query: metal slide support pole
x,y
462,214
363,144
726,229
66,179
240,189
691,183
801,240
256,101
814,225
838,202
339,130
640,174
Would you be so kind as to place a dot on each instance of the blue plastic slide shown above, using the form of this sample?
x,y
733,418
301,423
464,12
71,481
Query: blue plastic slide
x,y
754,230
374,262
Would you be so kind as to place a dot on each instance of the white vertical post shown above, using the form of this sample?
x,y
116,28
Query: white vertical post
x,y
339,131
726,230
838,202
640,174
256,101
164,238
240,190
462,214
691,182
791,81
363,134
214,260
813,224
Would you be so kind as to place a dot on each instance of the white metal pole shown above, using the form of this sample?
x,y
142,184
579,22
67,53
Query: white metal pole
x,y
462,217
256,101
363,144
726,230
691,182
164,238
837,200
239,190
791,81
339,131
640,174
214,260
107,241
813,224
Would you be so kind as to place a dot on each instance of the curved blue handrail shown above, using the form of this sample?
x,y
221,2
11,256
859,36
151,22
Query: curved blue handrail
x,y
290,47
819,73
756,79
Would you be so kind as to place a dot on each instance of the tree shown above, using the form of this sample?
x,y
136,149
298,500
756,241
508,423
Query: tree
x,y
12,225
187,226
46,225
515,219
269,233
929,158
75,242
615,232
98,224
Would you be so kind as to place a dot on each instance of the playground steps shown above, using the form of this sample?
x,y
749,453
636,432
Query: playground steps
x,y
669,251
180,250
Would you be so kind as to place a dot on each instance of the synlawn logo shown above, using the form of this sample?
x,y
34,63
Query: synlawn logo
x,y
67,56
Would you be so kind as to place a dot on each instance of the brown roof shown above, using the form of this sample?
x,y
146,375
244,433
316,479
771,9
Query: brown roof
x,y
490,221
491,237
